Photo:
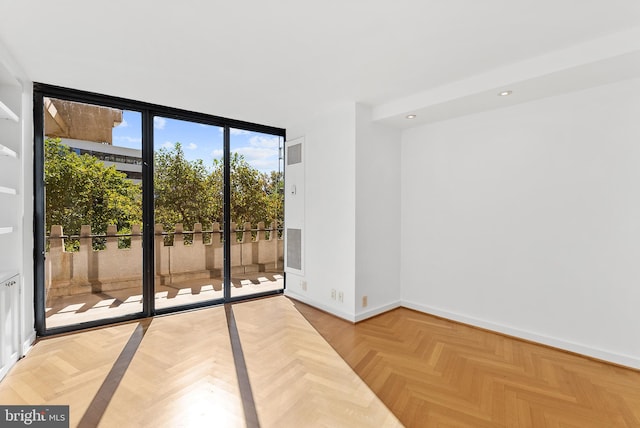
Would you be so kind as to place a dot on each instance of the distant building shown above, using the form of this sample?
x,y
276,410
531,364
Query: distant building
x,y
88,129
128,161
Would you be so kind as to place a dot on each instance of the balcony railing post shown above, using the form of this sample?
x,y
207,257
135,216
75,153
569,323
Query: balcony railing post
x,y
273,237
178,237
160,267
84,266
112,238
197,234
215,257
136,236
260,235
236,246
216,238
56,241
246,234
86,244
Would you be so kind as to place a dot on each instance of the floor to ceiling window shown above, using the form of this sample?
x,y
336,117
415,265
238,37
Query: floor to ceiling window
x,y
188,212
92,212
143,209
256,184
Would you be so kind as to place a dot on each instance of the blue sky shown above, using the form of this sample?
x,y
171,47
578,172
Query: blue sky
x,y
200,141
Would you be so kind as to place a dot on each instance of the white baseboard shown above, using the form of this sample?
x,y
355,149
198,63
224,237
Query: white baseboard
x,y
28,343
13,359
376,311
621,359
333,311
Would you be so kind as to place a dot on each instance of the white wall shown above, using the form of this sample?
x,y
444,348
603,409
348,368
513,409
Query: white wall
x,y
377,215
526,220
352,213
329,224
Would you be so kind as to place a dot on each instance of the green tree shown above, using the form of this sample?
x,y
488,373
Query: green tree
x,y
183,191
255,196
274,191
81,190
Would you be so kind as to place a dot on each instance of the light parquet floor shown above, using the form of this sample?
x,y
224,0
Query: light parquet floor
x,y
297,379
436,373
260,363
257,363
182,375
65,370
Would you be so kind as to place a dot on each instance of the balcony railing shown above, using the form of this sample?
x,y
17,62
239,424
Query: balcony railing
x,y
113,265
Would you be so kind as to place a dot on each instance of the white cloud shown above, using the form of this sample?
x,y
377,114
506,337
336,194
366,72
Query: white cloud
x,y
192,146
167,145
261,141
128,139
159,122
256,152
262,158
261,153
123,124
265,165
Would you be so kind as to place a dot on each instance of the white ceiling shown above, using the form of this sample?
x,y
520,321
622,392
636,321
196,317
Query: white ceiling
x,y
273,61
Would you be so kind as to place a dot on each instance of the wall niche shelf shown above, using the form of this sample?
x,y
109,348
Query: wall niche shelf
x,y
6,151
16,314
7,113
6,229
8,190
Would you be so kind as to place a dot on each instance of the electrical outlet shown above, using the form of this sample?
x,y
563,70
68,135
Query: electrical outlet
x,y
341,297
364,301
303,285
333,294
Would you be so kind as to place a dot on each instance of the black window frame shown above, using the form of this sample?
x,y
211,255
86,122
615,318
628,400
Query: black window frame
x,y
148,112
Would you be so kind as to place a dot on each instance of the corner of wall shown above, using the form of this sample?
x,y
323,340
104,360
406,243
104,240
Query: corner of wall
x,y
519,220
329,211
345,315
377,216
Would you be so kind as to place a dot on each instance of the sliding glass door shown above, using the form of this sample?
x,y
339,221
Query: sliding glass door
x,y
257,215
188,208
93,212
144,209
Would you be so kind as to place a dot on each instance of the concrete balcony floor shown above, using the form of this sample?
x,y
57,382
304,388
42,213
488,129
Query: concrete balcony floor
x,y
70,310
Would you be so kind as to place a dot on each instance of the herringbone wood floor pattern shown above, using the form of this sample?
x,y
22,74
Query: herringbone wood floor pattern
x,y
181,371
182,375
298,379
65,370
435,373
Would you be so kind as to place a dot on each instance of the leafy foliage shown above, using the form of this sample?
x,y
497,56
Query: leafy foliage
x,y
186,193
182,191
81,190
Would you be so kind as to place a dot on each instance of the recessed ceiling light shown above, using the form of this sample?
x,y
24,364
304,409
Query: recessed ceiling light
x,y
505,93
411,116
